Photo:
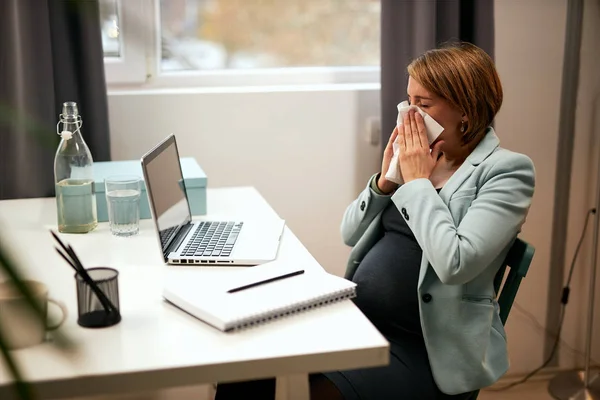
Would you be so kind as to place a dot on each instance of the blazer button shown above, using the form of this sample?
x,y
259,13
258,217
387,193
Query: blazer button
x,y
404,213
427,298
362,206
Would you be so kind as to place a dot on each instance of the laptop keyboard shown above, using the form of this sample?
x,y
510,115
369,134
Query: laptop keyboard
x,y
213,239
165,235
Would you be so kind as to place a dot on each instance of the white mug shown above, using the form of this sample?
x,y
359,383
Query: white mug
x,y
19,325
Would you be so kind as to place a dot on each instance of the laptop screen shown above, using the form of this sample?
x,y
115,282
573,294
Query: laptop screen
x,y
166,190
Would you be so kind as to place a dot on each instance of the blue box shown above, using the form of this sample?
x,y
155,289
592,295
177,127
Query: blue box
x,y
194,177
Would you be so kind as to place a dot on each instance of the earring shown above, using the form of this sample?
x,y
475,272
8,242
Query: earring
x,y
462,126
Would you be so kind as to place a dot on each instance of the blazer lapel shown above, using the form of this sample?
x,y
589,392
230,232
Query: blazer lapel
x,y
488,144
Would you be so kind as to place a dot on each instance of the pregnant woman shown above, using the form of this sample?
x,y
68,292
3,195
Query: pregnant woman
x,y
425,252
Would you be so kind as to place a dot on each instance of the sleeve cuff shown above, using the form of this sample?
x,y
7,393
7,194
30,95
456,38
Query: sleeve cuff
x,y
412,190
374,187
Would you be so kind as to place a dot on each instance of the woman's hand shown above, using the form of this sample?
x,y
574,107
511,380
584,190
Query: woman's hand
x,y
383,184
415,160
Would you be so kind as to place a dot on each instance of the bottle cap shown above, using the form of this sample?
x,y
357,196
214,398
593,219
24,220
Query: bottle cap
x,y
70,115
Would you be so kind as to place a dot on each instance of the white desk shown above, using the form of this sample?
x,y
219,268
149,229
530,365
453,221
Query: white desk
x,y
157,346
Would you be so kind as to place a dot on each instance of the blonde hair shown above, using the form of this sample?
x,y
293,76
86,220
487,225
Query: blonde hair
x,y
465,76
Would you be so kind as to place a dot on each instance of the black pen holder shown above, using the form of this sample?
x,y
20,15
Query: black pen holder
x,y
92,311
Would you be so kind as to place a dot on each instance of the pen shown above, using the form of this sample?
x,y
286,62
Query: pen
x,y
275,278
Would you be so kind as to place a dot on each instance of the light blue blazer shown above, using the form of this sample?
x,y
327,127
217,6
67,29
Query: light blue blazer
x,y
465,232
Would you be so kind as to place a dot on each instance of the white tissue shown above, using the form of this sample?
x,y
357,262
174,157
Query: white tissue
x,y
433,131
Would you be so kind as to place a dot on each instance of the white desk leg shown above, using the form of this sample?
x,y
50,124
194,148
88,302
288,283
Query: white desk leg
x,y
292,387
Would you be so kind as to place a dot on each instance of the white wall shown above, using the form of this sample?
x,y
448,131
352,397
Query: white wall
x,y
529,55
584,180
529,51
306,150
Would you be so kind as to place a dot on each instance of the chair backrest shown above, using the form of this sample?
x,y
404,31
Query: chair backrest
x,y
518,260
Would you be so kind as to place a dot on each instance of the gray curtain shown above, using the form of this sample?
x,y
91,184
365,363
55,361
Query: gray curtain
x,y
50,52
411,27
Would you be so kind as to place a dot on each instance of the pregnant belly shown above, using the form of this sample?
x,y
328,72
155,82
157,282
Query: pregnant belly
x,y
387,281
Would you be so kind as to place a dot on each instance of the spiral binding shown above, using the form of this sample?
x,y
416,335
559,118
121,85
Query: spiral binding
x,y
291,309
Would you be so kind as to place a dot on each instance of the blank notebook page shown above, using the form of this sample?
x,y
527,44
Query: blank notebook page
x,y
207,299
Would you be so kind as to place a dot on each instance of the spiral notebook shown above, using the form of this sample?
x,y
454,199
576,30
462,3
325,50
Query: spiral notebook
x,y
255,296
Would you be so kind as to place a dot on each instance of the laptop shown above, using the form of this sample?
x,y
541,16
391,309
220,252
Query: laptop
x,y
202,241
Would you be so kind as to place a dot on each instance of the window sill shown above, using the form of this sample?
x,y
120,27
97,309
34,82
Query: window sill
x,y
128,91
274,79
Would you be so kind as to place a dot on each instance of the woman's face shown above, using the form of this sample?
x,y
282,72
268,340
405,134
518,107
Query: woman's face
x,y
440,110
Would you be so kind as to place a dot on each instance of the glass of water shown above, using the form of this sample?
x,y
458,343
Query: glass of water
x,y
123,202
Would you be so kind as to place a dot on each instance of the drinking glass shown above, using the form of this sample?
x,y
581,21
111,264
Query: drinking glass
x,y
123,202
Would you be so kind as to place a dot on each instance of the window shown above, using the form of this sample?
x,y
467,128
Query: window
x,y
123,30
241,34
242,42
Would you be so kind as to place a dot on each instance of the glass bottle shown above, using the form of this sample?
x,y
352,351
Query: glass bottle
x,y
73,174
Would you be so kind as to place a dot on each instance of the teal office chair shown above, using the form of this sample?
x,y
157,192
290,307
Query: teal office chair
x,y
518,260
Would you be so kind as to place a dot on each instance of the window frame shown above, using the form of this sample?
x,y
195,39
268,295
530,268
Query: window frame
x,y
139,64
130,66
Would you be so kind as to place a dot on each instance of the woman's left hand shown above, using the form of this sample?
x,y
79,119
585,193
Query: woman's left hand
x,y
415,159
